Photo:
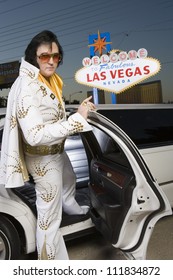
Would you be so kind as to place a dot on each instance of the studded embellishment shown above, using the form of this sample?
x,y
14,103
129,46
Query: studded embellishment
x,y
28,72
13,122
51,252
42,170
45,221
47,252
77,126
15,167
52,96
60,112
47,194
57,113
21,111
43,90
35,130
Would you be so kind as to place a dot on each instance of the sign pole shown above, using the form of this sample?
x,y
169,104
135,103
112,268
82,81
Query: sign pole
x,y
95,96
114,98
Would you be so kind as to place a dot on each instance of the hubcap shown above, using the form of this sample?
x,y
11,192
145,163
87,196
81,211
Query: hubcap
x,y
2,249
3,246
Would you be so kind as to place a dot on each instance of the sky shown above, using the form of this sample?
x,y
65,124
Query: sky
x,y
132,24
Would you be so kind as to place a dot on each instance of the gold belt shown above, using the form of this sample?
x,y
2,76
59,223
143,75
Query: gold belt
x,y
43,150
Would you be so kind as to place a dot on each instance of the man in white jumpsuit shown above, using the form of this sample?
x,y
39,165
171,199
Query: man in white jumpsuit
x,y
33,141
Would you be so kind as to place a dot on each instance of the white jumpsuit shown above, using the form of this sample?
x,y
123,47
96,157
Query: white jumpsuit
x,y
35,113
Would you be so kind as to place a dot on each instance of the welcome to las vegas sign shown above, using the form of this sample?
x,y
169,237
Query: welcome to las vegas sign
x,y
117,71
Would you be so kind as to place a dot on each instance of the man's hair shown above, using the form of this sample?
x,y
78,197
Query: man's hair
x,y
44,37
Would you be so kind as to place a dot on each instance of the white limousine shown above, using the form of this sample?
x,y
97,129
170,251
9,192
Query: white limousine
x,y
124,171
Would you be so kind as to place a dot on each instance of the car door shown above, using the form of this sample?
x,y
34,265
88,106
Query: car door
x,y
126,201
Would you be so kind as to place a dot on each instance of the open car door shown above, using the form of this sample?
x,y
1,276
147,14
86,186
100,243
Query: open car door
x,y
126,201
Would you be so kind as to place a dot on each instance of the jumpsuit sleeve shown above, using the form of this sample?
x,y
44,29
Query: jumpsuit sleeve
x,y
37,132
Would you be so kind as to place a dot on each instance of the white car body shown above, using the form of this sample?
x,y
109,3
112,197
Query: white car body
x,y
160,163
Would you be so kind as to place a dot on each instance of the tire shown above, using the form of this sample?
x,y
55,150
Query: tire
x,y
9,240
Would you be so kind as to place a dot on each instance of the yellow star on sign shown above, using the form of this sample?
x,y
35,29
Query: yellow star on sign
x,y
99,44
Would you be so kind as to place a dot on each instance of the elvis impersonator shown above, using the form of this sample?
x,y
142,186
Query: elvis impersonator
x,y
34,134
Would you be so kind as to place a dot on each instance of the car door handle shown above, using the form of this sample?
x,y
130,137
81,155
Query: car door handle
x,y
100,171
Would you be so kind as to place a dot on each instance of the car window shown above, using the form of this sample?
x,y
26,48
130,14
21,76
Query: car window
x,y
146,127
110,149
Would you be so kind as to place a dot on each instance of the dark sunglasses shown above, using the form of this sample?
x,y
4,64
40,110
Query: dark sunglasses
x,y
45,57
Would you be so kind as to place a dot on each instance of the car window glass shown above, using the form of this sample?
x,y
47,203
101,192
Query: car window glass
x,y
110,149
146,127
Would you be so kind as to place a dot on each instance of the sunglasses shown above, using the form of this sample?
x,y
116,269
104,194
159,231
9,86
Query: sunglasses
x,y
45,57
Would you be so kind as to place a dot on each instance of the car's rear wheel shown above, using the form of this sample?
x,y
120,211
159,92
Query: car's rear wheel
x,y
9,240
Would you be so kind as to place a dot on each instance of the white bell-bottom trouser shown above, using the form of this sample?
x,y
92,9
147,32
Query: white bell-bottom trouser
x,y
55,183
